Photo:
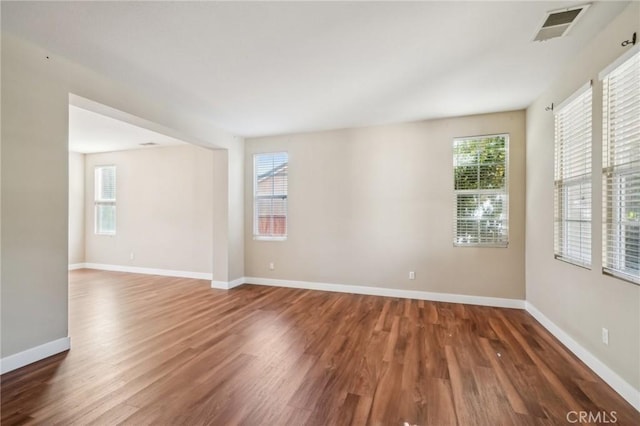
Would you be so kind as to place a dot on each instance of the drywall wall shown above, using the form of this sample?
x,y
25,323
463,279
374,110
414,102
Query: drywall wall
x,y
368,205
76,208
221,215
34,204
36,85
578,300
235,219
164,208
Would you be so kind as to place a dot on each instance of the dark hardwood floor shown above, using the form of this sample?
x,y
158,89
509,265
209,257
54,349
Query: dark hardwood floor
x,y
157,350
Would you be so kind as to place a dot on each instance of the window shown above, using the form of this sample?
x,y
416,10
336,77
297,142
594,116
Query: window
x,y
105,200
621,169
482,200
270,187
572,181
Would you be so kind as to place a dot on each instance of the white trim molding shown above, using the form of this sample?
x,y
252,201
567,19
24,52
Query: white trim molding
x,y
615,64
622,387
224,285
15,361
74,266
148,271
628,392
391,292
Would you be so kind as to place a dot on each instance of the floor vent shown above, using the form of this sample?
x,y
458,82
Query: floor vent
x,y
557,23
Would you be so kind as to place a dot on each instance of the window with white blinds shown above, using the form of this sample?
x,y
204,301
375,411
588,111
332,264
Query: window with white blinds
x,y
480,184
270,192
105,200
621,170
572,179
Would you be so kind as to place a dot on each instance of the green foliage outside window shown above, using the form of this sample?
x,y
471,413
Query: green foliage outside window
x,y
480,184
480,163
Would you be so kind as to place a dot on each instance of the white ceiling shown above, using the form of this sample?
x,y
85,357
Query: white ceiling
x,y
258,68
90,133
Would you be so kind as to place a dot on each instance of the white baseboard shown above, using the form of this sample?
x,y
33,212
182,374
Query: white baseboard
x,y
148,271
74,266
224,285
15,361
391,292
628,392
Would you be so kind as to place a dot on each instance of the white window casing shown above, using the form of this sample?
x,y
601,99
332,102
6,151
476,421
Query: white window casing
x,y
270,196
481,216
621,168
572,178
105,200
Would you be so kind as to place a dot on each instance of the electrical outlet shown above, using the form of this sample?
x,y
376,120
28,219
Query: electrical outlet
x,y
132,256
605,336
272,266
412,275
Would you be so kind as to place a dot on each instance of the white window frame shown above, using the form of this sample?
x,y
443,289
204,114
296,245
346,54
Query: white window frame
x,y
256,219
614,176
100,202
564,246
492,191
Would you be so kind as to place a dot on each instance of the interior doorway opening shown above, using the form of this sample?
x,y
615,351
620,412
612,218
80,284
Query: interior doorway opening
x,y
140,198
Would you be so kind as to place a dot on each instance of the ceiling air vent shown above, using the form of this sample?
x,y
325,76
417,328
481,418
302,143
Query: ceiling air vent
x,y
557,23
148,144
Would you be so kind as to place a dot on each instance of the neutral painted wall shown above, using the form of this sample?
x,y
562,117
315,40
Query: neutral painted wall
x,y
164,209
578,300
35,164
221,215
235,220
34,204
366,206
76,208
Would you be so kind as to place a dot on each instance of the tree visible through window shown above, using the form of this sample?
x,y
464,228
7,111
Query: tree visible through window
x,y
270,195
480,182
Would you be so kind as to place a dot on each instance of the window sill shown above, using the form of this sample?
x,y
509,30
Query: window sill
x,y
481,245
264,238
621,275
573,262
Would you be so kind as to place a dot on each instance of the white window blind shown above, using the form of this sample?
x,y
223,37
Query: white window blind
x,y
105,200
480,184
270,188
572,182
621,170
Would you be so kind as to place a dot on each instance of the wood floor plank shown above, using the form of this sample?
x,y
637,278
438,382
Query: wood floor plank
x,y
439,402
159,350
517,404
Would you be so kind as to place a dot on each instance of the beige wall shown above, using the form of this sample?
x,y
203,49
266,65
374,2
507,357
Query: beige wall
x,y
35,166
34,203
76,208
164,209
366,206
221,217
236,213
578,300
